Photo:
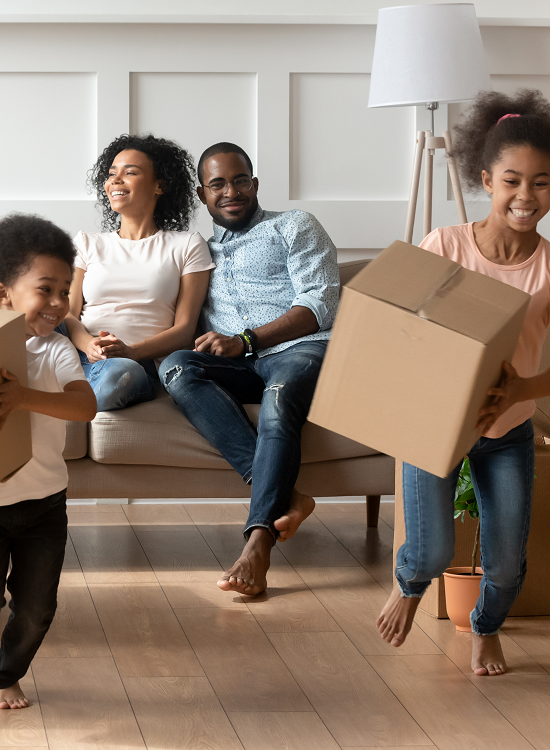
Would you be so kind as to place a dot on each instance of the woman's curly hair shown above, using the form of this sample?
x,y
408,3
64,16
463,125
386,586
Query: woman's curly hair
x,y
172,164
479,141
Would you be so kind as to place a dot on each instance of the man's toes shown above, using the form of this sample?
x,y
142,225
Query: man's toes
x,y
4,704
397,640
480,671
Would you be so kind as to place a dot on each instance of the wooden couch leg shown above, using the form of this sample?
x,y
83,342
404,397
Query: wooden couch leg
x,y
373,510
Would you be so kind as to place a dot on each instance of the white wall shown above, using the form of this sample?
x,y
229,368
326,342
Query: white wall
x,y
294,95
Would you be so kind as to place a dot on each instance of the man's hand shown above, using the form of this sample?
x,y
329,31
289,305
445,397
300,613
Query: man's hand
x,y
217,343
111,346
12,395
508,392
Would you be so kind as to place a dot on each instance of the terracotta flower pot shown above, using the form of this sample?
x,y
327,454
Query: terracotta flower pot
x,y
461,594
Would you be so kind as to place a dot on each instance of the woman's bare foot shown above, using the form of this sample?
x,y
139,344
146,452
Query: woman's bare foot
x,y
248,574
397,617
487,656
13,697
301,506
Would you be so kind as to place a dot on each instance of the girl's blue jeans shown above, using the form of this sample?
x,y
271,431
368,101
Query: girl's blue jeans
x,y
502,475
118,382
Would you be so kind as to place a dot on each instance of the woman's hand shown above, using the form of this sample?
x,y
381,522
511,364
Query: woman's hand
x,y
12,395
111,346
508,392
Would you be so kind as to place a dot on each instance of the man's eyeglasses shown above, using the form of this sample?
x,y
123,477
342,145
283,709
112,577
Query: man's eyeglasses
x,y
241,185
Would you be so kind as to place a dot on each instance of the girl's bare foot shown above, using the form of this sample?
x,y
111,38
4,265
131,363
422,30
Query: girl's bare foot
x,y
301,506
487,656
13,697
248,574
397,617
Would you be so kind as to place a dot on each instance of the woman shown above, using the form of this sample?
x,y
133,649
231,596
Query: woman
x,y
138,287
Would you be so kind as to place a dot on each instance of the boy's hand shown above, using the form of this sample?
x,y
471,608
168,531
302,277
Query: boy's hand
x,y
508,392
12,395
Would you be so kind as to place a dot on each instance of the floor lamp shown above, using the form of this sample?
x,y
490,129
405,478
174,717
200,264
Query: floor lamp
x,y
427,55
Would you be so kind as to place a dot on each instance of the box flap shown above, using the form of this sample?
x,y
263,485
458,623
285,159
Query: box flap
x,y
440,290
404,275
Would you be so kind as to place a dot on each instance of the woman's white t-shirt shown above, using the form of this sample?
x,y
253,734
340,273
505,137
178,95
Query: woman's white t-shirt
x,y
131,287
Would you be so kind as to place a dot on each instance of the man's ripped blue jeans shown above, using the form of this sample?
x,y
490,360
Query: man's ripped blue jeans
x,y
210,391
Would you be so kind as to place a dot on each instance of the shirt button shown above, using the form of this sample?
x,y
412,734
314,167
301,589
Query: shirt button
x,y
228,257
228,278
245,317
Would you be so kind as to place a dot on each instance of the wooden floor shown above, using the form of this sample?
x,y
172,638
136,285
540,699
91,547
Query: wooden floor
x,y
146,652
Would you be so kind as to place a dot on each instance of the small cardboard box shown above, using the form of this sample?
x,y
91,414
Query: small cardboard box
x,y
534,598
15,436
417,342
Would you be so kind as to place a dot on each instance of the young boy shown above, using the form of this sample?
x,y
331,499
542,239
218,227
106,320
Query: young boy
x,y
36,268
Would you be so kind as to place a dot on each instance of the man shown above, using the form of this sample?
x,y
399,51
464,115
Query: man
x,y
270,306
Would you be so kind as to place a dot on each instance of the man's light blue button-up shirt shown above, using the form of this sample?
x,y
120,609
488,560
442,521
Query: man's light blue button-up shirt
x,y
280,260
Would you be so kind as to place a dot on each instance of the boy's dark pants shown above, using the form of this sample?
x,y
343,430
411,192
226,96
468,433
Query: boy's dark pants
x,y
33,534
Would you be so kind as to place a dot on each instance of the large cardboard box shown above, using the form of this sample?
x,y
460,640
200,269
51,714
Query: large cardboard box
x,y
534,599
15,436
416,344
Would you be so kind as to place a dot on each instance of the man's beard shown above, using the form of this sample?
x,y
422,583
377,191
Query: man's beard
x,y
235,225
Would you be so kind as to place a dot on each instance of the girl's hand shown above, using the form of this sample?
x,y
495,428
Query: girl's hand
x,y
94,352
111,346
12,395
507,393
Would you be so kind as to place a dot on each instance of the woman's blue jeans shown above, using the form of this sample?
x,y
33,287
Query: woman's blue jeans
x,y
502,475
118,382
210,391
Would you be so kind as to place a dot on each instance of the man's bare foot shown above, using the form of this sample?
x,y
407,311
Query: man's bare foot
x,y
248,574
13,697
301,506
487,656
397,617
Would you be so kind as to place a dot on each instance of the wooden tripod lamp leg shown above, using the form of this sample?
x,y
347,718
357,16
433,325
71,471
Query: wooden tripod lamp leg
x,y
455,179
413,195
428,188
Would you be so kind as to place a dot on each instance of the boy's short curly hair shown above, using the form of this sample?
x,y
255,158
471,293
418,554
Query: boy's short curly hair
x,y
23,237
479,140
172,165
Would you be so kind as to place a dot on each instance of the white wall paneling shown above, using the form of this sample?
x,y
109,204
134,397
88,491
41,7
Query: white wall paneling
x,y
293,94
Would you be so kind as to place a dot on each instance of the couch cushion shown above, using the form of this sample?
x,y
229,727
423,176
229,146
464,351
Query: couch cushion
x,y
76,442
156,433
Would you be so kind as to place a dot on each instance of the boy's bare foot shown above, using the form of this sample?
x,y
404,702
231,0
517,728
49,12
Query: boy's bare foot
x,y
13,697
301,506
248,574
487,656
397,617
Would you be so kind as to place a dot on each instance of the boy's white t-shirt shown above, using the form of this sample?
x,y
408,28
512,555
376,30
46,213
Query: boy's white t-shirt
x,y
131,287
53,363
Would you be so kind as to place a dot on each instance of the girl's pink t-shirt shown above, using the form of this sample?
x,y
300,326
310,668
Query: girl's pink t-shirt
x,y
532,276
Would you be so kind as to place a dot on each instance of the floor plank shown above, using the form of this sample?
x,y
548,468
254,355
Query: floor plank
x,y
76,630
524,699
387,513
111,554
289,606
282,731
153,515
346,692
201,594
85,706
240,662
24,728
217,514
94,517
180,555
314,545
71,560
180,713
532,634
142,631
372,548
458,646
354,600
452,712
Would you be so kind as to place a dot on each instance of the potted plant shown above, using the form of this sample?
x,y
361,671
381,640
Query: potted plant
x,y
462,583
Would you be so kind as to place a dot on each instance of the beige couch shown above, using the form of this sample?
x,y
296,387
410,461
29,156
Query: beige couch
x,y
151,451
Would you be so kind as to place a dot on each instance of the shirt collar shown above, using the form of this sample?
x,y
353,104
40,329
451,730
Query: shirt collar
x,y
37,344
221,233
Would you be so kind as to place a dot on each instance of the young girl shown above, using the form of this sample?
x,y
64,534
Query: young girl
x,y
36,268
504,147
138,287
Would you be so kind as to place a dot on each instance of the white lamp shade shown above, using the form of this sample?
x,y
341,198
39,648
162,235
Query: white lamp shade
x,y
427,53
